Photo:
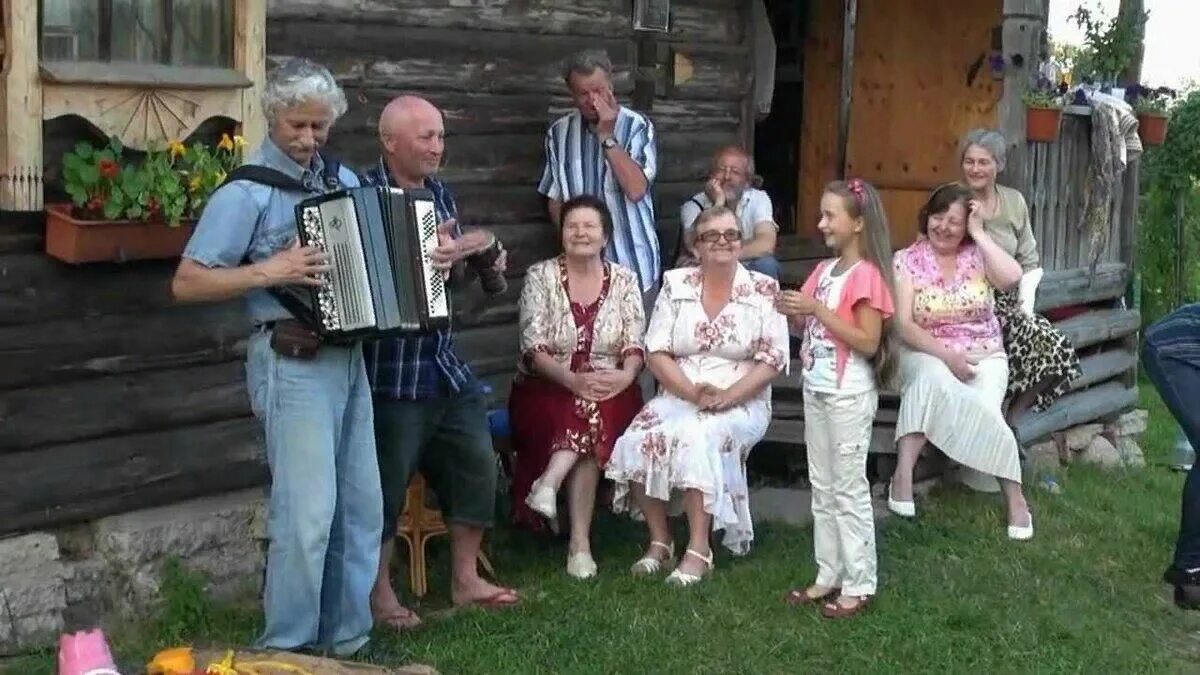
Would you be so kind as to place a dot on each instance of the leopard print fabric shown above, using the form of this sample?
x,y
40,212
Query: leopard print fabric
x,y
1036,351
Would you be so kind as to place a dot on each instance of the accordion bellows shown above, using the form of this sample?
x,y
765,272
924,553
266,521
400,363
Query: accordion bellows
x,y
381,280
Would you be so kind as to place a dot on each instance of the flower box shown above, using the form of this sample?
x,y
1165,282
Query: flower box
x,y
1041,124
86,241
1152,128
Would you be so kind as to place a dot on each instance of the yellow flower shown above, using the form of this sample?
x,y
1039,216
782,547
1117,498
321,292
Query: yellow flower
x,y
226,143
177,148
239,142
194,186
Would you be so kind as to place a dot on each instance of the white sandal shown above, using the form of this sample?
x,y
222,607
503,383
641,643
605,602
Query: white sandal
x,y
678,578
543,499
648,566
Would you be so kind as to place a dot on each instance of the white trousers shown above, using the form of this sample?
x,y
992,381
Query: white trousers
x,y
837,432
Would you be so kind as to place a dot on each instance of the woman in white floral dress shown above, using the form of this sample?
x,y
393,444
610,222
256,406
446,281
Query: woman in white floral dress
x,y
714,343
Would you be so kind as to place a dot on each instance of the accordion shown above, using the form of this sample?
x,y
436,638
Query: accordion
x,y
381,281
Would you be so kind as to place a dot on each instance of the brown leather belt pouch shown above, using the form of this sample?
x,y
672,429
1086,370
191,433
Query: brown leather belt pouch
x,y
293,339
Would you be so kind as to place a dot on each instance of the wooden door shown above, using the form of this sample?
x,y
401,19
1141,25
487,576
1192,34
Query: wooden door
x,y
920,81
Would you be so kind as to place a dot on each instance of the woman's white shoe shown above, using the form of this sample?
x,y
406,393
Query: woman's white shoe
x,y
1021,532
543,499
648,565
678,578
581,566
907,509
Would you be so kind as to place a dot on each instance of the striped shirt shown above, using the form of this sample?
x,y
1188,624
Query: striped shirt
x,y
576,165
418,365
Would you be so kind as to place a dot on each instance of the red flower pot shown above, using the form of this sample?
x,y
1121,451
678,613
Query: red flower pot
x,y
1152,128
1041,124
82,241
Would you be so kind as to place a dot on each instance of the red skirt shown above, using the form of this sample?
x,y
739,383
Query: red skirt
x,y
545,418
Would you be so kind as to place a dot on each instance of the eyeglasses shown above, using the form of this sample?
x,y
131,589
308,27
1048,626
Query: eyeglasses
x,y
712,236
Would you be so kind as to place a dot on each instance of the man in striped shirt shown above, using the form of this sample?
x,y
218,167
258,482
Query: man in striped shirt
x,y
430,411
607,150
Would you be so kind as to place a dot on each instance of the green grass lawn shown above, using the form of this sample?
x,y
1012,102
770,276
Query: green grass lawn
x,y
955,596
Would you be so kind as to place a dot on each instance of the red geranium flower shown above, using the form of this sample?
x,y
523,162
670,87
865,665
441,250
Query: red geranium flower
x,y
108,168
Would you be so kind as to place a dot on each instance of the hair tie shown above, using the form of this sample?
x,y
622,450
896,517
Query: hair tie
x,y
856,187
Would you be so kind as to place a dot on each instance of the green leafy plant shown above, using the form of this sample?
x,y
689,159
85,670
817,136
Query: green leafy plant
x,y
1150,100
1169,206
1109,44
1042,98
168,185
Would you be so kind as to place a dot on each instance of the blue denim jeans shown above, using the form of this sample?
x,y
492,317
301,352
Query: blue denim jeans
x,y
764,264
1171,355
326,504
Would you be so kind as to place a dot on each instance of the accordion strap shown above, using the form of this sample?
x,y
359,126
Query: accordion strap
x,y
275,178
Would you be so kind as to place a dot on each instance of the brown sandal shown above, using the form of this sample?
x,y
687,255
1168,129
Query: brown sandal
x,y
834,610
798,597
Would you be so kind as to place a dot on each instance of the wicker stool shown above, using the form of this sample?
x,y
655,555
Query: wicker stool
x,y
417,525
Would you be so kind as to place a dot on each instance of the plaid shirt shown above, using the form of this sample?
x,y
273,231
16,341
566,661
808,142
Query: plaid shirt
x,y
416,366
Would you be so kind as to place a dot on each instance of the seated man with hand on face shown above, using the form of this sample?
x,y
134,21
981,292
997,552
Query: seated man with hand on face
x,y
729,186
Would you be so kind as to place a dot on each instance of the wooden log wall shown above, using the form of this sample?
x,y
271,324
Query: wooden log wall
x,y
1056,177
112,398
495,70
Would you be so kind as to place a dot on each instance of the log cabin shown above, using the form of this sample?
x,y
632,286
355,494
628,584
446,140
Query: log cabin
x,y
114,399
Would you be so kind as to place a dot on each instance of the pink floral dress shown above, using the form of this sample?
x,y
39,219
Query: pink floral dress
x,y
671,444
961,312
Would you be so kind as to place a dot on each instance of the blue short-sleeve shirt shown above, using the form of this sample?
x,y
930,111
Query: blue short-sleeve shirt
x,y
247,221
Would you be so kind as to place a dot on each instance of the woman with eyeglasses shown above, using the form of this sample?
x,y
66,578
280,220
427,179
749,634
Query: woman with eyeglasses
x,y
714,343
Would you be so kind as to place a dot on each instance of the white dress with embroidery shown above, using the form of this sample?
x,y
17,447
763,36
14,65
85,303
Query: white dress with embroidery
x,y
671,444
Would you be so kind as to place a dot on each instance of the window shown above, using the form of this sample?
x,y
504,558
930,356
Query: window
x,y
160,32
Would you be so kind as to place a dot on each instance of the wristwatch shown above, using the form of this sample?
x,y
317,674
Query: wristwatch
x,y
608,143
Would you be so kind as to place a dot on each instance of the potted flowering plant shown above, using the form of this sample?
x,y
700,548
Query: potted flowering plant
x,y
1151,107
1043,112
126,210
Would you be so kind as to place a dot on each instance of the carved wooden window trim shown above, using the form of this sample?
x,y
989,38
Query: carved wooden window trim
x,y
141,103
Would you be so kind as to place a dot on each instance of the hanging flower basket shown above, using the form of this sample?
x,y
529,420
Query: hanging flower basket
x,y
123,210
1152,128
75,241
1041,124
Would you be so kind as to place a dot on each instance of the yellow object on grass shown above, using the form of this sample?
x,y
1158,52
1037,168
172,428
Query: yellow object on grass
x,y
175,661
226,666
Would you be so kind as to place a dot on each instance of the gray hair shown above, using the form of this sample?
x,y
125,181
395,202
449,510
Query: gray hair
x,y
297,81
989,139
585,63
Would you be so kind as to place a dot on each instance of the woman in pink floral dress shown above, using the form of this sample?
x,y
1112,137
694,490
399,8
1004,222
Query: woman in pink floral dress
x,y
714,343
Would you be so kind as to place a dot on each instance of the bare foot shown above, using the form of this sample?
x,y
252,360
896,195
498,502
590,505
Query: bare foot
x,y
480,592
387,611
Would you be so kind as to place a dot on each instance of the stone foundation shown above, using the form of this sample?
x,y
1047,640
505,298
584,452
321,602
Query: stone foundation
x,y
1112,444
75,577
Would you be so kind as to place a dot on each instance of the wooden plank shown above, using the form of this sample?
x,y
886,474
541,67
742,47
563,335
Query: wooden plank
x,y
121,404
66,349
818,151
83,481
1103,366
791,432
473,114
1076,408
34,287
425,59
1100,326
1064,288
518,159
707,22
